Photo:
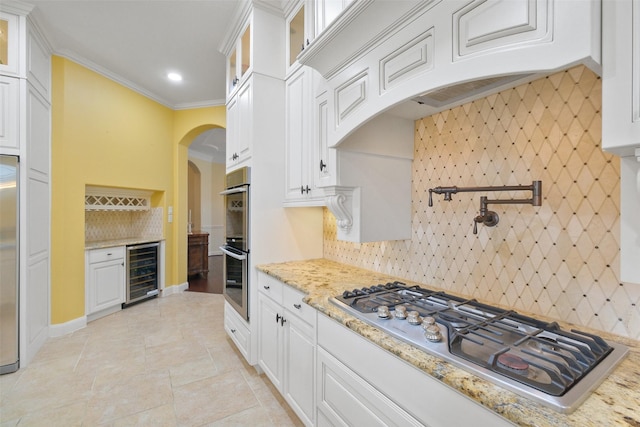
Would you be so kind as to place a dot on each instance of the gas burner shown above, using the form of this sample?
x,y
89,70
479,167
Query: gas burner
x,y
513,362
536,359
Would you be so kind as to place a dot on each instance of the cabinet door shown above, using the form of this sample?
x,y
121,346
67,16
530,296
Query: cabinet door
x,y
344,398
9,108
325,162
270,333
299,353
232,131
326,11
621,77
296,137
10,43
106,286
244,121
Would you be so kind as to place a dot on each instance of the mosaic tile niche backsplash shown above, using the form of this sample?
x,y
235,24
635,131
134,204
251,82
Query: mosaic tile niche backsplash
x,y
559,260
117,225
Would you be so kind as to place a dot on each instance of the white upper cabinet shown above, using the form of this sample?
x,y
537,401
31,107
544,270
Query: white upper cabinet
x,y
326,11
300,182
621,119
240,124
247,53
239,60
12,41
298,34
9,117
621,77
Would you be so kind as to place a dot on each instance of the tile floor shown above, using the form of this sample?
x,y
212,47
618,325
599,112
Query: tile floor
x,y
165,362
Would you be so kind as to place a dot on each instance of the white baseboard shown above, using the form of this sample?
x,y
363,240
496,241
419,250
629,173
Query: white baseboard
x,y
175,289
61,329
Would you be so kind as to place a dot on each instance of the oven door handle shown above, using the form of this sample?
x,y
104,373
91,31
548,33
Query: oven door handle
x,y
235,190
239,257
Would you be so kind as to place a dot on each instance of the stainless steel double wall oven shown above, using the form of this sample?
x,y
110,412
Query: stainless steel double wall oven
x,y
236,248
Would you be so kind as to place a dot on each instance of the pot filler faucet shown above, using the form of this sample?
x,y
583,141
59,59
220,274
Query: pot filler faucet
x,y
487,217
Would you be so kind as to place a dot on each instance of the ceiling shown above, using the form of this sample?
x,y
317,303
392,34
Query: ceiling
x,y
136,43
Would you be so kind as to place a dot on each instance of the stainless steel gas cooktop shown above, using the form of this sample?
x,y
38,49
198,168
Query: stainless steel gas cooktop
x,y
534,359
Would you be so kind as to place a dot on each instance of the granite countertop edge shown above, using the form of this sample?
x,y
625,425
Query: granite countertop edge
x,y
613,403
100,244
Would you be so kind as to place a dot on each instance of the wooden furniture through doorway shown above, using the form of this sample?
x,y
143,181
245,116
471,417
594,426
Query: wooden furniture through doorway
x,y
198,254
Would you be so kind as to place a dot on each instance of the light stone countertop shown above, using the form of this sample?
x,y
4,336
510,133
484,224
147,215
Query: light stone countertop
x,y
120,242
616,402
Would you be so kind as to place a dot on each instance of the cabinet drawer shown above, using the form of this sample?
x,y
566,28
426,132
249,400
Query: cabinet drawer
x,y
292,301
106,254
237,330
270,286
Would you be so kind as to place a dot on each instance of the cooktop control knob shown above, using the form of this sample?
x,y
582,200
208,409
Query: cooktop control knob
x,y
401,312
428,321
432,332
414,318
383,312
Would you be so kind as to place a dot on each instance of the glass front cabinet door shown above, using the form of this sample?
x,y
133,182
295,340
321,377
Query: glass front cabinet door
x,y
9,44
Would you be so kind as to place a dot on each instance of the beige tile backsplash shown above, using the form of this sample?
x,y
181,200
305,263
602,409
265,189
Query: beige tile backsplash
x,y
561,259
117,225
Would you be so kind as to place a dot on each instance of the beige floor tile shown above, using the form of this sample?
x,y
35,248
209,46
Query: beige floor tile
x,y
128,396
66,416
165,362
161,416
191,371
212,399
254,417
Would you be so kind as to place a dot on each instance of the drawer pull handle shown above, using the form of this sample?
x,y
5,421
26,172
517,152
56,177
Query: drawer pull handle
x,y
298,306
267,287
109,254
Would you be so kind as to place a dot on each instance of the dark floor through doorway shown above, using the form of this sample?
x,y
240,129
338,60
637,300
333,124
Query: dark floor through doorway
x,y
212,284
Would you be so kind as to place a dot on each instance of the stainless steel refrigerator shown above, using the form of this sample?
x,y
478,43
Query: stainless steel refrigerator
x,y
9,265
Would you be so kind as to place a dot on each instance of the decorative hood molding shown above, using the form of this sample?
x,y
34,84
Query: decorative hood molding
x,y
414,59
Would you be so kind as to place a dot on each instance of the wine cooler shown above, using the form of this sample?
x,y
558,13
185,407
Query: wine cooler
x,y
142,272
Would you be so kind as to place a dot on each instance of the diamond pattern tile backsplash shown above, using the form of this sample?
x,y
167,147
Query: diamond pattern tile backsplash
x,y
559,260
117,225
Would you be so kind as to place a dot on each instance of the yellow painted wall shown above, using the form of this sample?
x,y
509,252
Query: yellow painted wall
x,y
106,134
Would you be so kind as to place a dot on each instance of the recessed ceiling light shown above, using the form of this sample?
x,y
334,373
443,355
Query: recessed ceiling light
x,y
174,77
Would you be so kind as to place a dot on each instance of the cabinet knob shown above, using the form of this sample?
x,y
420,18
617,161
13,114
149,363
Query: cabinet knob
x,y
323,165
235,81
267,287
298,306
233,331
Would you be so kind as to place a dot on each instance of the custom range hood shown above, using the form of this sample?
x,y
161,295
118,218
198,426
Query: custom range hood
x,y
411,59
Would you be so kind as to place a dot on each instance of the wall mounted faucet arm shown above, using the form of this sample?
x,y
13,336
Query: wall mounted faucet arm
x,y
487,217
535,188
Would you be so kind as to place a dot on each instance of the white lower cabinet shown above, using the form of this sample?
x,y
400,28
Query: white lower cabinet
x,y
105,281
237,330
331,376
345,399
358,383
287,344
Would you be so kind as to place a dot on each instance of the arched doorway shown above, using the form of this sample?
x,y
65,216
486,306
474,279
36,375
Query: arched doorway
x,y
206,174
